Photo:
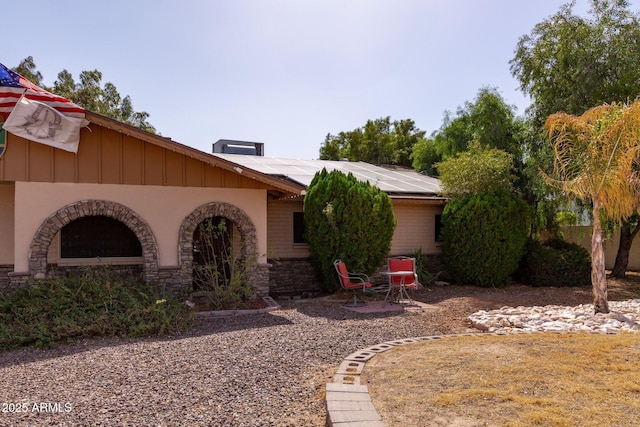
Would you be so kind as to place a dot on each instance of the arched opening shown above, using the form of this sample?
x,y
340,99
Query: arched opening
x,y
242,240
98,210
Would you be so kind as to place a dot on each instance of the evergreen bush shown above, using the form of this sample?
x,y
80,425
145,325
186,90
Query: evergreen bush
x,y
484,237
346,219
555,262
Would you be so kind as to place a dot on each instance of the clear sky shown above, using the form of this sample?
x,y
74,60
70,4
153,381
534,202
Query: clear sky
x,y
282,72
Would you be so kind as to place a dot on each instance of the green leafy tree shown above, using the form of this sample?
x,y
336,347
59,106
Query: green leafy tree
x,y
571,63
346,219
596,158
488,121
476,171
27,69
89,94
379,141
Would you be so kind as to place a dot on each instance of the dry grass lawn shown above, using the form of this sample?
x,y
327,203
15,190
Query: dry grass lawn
x,y
517,380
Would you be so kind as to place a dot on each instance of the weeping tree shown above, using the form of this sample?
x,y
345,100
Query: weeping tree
x,y
346,219
596,159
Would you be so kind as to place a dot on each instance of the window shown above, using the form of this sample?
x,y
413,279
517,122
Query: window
x,y
98,236
438,228
298,228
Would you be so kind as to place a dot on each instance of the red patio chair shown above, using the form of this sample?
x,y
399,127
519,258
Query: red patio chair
x,y
402,282
353,282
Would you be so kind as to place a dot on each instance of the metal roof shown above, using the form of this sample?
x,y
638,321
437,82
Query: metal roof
x,y
391,180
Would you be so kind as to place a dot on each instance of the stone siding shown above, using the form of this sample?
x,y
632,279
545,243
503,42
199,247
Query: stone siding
x,y
170,280
5,279
293,277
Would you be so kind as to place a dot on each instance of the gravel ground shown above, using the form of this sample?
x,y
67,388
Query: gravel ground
x,y
265,369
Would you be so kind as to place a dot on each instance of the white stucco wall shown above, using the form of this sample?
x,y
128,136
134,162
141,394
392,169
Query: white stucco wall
x,y
163,208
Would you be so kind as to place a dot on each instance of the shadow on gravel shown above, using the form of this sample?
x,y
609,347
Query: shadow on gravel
x,y
205,326
331,308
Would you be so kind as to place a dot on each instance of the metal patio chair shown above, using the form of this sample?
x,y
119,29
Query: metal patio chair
x,y
353,282
402,276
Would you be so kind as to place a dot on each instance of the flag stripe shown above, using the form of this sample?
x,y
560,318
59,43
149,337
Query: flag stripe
x,y
13,86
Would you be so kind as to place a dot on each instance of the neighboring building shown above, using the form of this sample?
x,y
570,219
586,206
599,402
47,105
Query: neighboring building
x,y
132,200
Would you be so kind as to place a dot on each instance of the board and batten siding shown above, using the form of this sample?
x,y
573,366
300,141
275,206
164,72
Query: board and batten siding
x,y
7,222
106,156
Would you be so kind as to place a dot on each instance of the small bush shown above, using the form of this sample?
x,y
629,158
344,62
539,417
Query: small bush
x,y
222,280
484,238
555,263
94,303
426,267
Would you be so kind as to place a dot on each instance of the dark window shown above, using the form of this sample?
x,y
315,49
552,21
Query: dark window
x,y
438,228
98,236
298,227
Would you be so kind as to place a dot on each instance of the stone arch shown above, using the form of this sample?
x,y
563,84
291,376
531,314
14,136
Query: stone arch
x,y
190,223
54,223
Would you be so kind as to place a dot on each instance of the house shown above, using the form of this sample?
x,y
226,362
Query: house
x,y
128,199
132,200
415,198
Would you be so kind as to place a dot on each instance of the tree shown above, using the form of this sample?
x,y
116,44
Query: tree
x,y
346,219
476,171
89,94
596,158
379,141
569,63
485,225
27,69
488,121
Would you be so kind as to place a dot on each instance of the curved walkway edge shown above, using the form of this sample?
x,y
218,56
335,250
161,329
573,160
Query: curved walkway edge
x,y
348,402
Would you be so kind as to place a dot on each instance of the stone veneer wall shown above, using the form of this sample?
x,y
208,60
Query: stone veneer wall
x,y
293,277
5,279
175,280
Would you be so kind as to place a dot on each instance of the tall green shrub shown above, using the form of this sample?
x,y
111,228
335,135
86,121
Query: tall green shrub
x,y
484,237
346,219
